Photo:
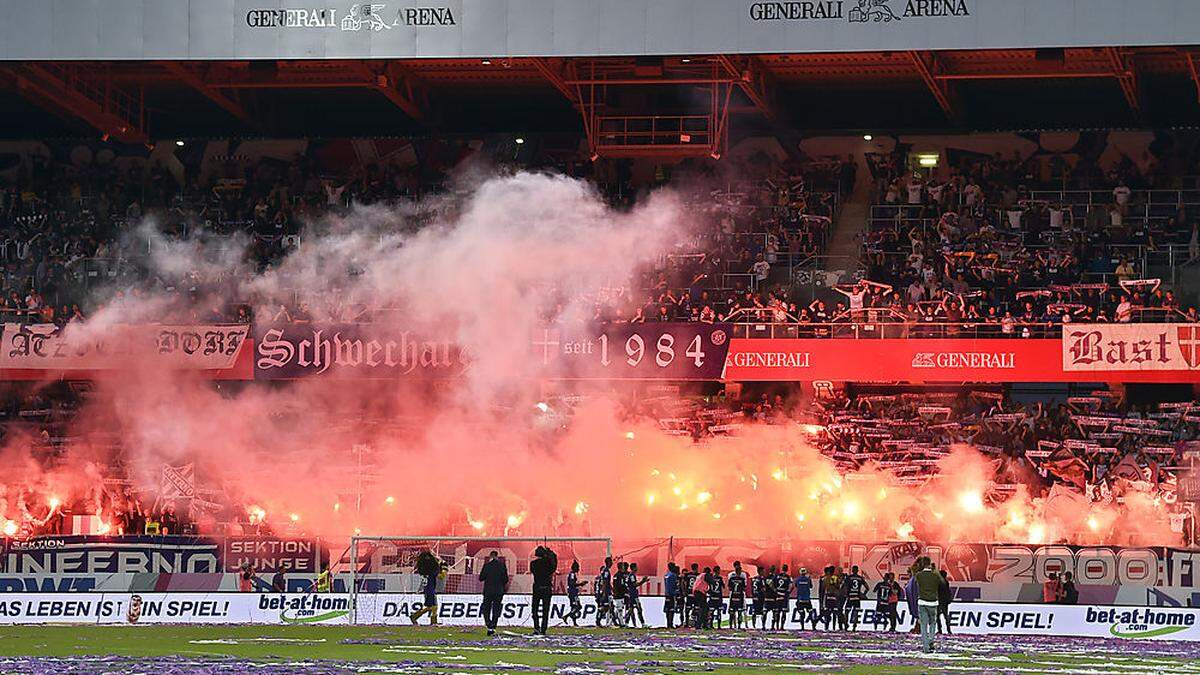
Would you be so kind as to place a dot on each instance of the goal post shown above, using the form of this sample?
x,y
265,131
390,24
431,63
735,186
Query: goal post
x,y
387,564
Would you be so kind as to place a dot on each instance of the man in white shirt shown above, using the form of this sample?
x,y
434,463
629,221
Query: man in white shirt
x,y
915,188
915,292
1059,215
1014,217
972,193
858,292
1121,194
761,268
936,192
1115,216
1124,312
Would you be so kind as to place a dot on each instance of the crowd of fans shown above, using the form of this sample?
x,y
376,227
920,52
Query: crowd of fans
x,y
973,247
67,229
974,251
1087,442
1097,447
979,246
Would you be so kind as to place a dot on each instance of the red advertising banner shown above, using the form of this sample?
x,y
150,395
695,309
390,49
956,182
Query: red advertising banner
x,y
925,360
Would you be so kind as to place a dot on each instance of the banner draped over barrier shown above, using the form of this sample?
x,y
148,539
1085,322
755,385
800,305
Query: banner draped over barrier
x,y
75,347
135,554
1096,353
1146,352
1106,575
464,610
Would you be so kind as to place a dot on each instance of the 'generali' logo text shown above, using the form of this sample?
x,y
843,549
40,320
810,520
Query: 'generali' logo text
x,y
992,360
770,359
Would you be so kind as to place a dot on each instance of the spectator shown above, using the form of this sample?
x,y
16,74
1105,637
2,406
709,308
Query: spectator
x,y
1051,588
945,595
1069,595
543,567
494,576
761,269
246,577
928,583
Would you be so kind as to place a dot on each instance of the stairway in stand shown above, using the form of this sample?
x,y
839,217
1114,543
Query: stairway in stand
x,y
851,224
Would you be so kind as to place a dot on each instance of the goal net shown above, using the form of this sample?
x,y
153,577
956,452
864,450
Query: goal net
x,y
387,565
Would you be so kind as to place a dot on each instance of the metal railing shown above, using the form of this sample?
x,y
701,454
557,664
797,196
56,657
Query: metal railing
x,y
674,130
879,330
1149,198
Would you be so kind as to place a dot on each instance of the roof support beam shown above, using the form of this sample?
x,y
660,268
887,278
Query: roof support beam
x,y
552,71
71,89
391,79
928,68
1025,75
197,81
404,90
1123,70
754,81
1191,61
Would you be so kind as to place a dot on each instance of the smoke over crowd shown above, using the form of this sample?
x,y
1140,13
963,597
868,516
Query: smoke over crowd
x,y
482,268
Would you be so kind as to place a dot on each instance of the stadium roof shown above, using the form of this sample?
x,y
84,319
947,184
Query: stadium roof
x,y
141,101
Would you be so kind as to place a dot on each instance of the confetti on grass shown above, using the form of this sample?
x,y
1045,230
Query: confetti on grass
x,y
579,653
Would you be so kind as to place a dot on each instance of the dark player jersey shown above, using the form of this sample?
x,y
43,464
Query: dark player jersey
x,y
758,586
631,585
573,585
689,580
716,588
737,585
601,591
883,590
604,581
856,587
769,592
783,585
618,584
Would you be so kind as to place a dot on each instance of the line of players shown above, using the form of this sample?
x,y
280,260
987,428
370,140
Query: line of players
x,y
697,597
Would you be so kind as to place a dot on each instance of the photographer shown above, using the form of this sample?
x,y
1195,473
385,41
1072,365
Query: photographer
x,y
494,576
543,567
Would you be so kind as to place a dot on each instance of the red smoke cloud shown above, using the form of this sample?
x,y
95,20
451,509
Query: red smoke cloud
x,y
332,455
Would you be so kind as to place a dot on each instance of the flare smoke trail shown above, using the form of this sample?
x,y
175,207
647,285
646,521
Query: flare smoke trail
x,y
492,262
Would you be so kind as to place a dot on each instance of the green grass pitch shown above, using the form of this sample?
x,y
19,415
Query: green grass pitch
x,y
338,649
